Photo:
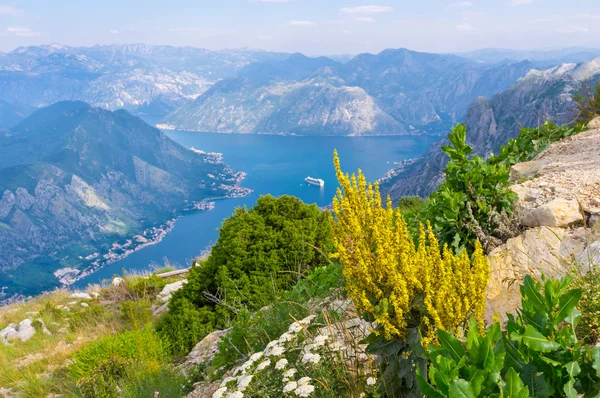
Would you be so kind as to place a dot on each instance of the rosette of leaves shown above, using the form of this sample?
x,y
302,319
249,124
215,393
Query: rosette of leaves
x,y
542,346
538,355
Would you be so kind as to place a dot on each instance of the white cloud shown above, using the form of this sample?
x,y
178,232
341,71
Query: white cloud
x,y
7,9
114,32
572,29
22,31
366,10
464,27
365,19
462,4
302,24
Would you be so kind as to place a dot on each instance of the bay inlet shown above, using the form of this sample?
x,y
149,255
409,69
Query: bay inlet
x,y
275,165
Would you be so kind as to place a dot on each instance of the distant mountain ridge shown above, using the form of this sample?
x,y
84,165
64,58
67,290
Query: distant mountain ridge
x,y
537,97
117,76
74,179
393,92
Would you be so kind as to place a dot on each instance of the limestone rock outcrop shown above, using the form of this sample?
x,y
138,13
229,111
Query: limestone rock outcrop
x,y
559,193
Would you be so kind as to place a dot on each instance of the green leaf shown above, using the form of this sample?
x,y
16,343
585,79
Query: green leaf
x,y
514,385
537,341
530,291
567,303
427,389
461,389
573,318
451,344
596,359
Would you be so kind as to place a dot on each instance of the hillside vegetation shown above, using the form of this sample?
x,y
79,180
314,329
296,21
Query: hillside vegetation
x,y
365,301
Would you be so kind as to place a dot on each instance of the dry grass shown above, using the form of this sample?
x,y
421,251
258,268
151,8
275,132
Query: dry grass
x,y
33,368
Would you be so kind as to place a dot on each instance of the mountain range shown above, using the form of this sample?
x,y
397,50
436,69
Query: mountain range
x,y
117,76
537,97
393,92
252,91
81,186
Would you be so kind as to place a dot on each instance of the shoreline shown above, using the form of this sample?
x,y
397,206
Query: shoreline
x,y
173,129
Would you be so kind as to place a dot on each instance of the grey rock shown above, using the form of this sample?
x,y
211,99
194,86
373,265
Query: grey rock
x,y
165,295
116,281
80,295
557,213
23,331
594,123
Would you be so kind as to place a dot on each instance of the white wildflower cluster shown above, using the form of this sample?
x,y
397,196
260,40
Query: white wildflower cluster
x,y
245,372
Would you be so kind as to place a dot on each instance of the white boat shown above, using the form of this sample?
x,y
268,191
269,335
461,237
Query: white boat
x,y
315,181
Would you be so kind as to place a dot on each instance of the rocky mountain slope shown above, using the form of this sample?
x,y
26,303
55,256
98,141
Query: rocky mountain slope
x,y
80,185
393,92
559,194
537,97
117,76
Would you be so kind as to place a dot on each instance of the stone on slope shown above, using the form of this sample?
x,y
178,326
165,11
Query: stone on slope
x,y
557,213
116,281
82,296
594,123
23,331
168,290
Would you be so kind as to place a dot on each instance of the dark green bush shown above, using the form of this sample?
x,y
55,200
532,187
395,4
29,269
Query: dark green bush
x,y
260,253
185,325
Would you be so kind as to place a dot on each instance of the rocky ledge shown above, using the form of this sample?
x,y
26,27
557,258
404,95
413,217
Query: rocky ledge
x,y
559,198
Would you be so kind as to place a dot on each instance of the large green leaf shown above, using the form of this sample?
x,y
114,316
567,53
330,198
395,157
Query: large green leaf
x,y
451,344
461,389
537,341
530,291
567,302
427,389
596,358
514,385
573,318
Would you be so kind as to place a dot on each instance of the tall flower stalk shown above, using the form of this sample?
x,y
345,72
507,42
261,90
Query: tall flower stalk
x,y
400,284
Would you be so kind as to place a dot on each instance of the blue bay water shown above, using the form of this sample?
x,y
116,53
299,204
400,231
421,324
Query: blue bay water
x,y
275,165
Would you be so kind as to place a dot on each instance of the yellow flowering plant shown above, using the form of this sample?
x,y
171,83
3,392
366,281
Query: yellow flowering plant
x,y
409,288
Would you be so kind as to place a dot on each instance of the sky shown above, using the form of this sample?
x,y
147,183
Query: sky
x,y
313,27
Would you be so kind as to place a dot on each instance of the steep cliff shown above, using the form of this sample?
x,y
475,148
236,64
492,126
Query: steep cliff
x,y
538,97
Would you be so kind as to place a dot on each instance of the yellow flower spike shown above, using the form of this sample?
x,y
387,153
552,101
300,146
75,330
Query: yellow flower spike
x,y
387,274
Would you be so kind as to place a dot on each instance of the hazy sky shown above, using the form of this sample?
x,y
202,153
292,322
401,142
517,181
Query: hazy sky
x,y
313,27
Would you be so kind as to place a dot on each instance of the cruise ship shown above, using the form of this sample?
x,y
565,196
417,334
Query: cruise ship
x,y
315,181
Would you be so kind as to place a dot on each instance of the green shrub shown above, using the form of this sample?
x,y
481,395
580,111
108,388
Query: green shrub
x,y
475,201
462,209
136,313
539,355
185,325
531,142
148,287
120,363
260,253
